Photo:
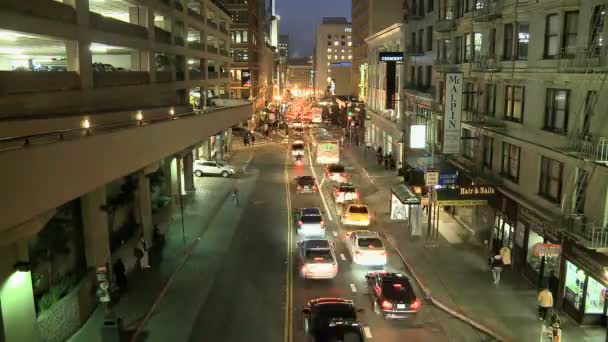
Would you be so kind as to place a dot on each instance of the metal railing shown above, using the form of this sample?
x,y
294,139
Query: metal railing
x,y
19,142
580,59
594,149
445,23
585,233
487,63
486,10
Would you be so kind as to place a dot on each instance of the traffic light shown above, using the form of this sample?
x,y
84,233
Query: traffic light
x,y
350,114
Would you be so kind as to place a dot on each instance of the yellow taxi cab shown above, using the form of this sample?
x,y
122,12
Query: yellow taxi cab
x,y
355,215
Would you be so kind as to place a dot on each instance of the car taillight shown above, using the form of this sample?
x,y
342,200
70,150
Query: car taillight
x,y
300,223
386,305
314,187
318,259
347,215
299,187
322,223
415,305
386,253
344,174
304,269
369,216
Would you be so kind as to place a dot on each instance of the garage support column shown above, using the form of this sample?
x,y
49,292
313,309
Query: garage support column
x,y
144,205
219,146
168,183
95,227
188,171
229,140
78,53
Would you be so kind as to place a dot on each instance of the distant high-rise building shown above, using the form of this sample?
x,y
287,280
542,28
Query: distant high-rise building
x,y
284,46
333,56
369,17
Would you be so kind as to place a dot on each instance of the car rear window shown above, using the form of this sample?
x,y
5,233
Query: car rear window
x,y
347,188
358,210
311,211
297,146
306,180
319,255
400,289
336,168
370,242
311,219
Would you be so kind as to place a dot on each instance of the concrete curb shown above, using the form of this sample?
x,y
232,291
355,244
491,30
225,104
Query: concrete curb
x,y
427,292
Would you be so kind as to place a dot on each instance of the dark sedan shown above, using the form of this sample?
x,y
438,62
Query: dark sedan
x,y
392,295
306,184
332,319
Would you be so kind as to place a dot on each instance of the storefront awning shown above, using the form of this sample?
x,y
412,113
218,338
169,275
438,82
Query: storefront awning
x,y
405,194
475,195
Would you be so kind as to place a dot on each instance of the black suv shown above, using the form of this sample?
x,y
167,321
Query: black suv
x,y
392,295
306,184
332,319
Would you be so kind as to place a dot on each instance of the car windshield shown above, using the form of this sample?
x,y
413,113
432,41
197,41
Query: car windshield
x,y
358,210
398,289
311,219
306,180
336,168
319,255
370,242
347,188
297,146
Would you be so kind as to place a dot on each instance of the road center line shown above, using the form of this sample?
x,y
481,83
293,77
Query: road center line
x,y
367,332
353,288
289,275
314,174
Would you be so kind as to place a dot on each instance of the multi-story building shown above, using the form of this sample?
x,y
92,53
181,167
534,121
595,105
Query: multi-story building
x,y
283,58
247,33
369,17
96,94
333,51
300,77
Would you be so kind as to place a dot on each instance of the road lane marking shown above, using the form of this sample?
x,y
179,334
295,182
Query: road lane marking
x,y
367,332
342,256
314,174
244,168
289,275
368,176
353,288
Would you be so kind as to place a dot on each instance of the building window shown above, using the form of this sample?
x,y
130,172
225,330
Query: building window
x,y
552,36
468,47
343,37
419,78
488,153
477,39
514,103
510,161
429,75
329,36
343,43
508,42
420,41
556,110
328,43
597,29
523,38
470,97
590,102
336,43
350,44
458,50
551,179
570,31
412,75
468,143
429,38
492,43
459,8
430,5
329,50
490,99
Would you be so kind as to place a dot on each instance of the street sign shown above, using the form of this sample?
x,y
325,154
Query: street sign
x,y
432,177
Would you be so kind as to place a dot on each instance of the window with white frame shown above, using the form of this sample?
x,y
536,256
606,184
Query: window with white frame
x,y
551,172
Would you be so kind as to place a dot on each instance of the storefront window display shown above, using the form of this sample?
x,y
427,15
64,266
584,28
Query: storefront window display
x,y
504,233
575,282
596,297
535,261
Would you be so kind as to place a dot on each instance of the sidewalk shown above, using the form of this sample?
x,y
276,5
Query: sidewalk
x,y
456,272
144,287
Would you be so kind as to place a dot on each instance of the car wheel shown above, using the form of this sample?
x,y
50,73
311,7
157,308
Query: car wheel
x,y
198,173
224,174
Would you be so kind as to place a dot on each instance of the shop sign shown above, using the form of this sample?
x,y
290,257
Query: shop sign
x,y
391,57
476,190
465,202
432,177
533,219
448,178
592,261
547,250
452,113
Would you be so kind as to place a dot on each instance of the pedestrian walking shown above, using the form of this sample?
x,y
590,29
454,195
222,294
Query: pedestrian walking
x,y
142,245
120,275
235,195
545,302
252,139
496,266
246,140
386,158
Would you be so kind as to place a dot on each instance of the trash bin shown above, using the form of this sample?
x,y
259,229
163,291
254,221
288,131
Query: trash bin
x,y
110,330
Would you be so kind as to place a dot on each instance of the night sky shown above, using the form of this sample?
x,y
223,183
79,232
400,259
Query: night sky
x,y
299,19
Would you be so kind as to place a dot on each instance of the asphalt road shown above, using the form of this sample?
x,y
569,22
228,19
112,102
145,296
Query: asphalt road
x,y
256,293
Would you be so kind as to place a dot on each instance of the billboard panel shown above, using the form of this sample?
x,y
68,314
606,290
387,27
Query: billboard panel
x,y
452,113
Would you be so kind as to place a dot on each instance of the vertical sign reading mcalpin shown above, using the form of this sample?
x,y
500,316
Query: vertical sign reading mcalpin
x,y
453,112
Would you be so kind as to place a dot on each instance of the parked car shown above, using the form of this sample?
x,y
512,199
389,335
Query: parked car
x,y
202,168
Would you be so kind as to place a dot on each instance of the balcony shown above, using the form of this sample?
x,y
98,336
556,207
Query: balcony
x,y
445,25
224,53
480,118
196,45
211,49
212,75
162,36
103,79
196,15
585,233
211,24
197,75
487,10
446,64
178,41
487,64
581,60
225,75
589,148
23,82
46,9
163,76
422,88
414,51
101,23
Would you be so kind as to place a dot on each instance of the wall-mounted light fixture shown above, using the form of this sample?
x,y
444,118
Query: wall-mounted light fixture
x,y
139,117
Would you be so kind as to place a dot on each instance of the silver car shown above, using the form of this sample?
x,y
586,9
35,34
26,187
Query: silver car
x,y
310,223
317,259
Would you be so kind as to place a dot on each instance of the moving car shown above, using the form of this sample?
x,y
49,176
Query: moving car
x,y
336,173
306,184
298,132
332,319
212,168
366,248
392,295
310,222
345,192
355,215
297,148
317,259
